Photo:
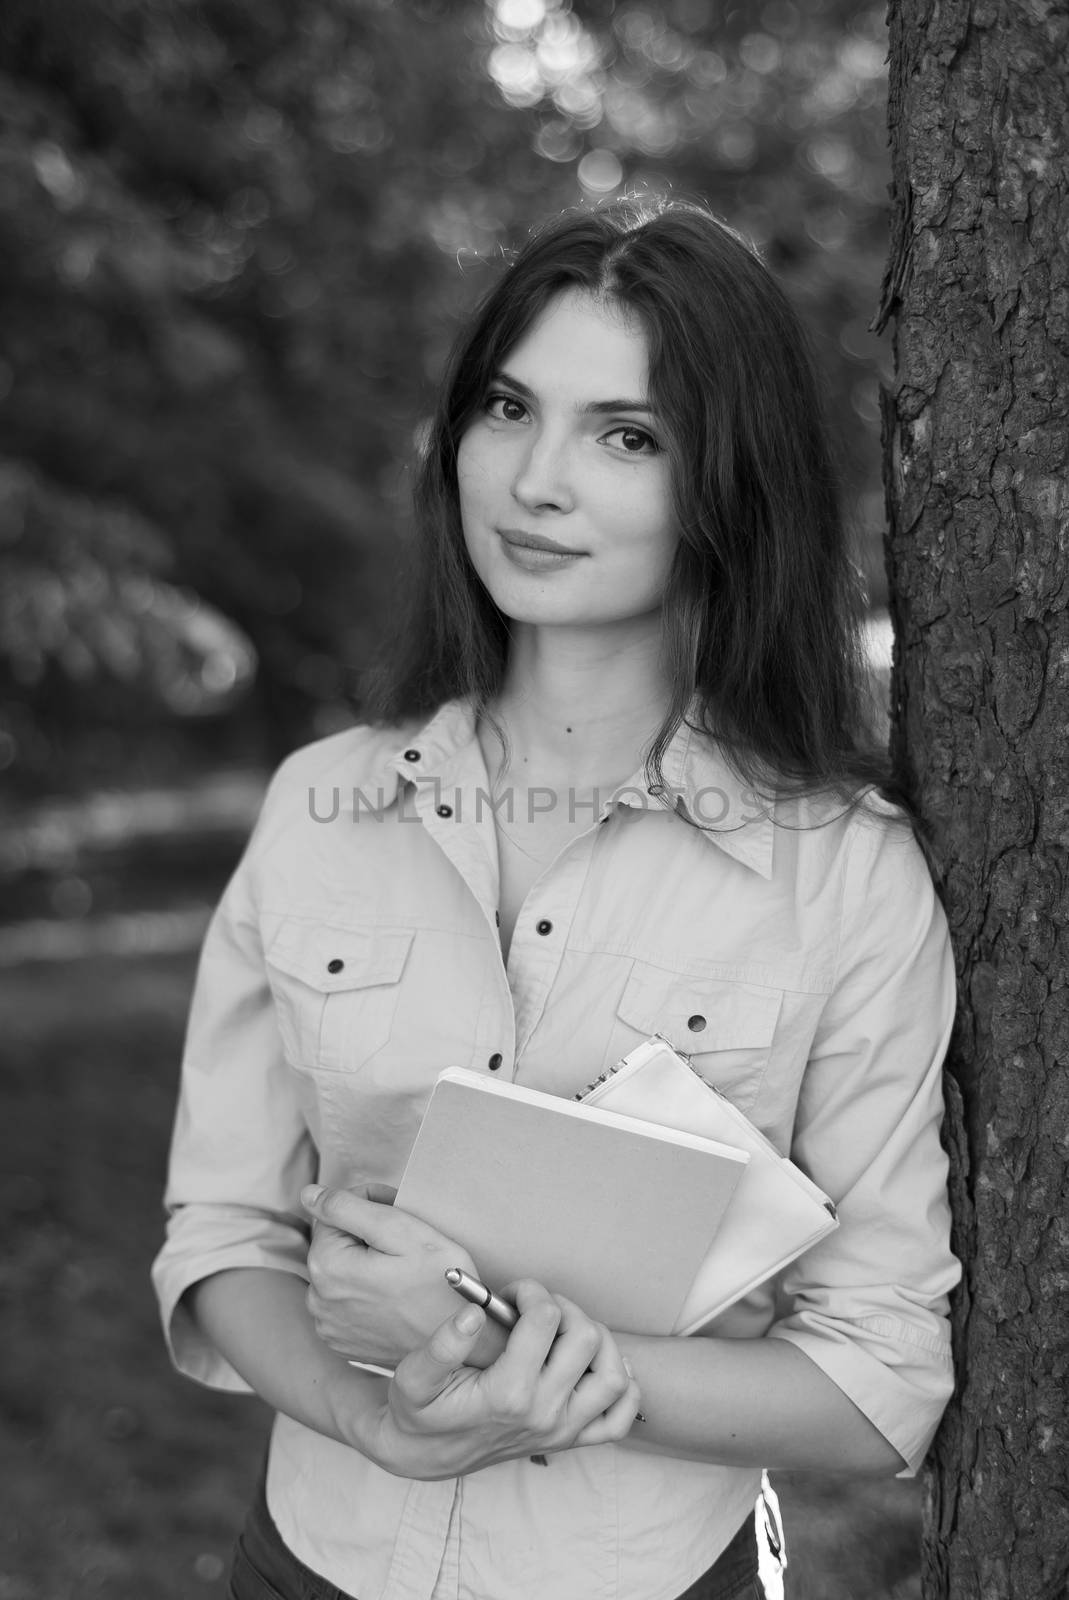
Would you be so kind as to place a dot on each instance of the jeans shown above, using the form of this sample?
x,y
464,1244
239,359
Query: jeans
x,y
264,1568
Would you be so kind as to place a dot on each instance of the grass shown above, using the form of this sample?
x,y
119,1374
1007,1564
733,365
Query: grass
x,y
121,1479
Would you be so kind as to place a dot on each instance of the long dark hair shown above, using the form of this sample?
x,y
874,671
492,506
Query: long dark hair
x,y
761,610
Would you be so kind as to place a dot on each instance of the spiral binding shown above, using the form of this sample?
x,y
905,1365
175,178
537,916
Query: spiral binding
x,y
610,1072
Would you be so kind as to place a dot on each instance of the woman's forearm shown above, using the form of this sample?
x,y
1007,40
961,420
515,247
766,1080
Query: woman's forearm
x,y
736,1402
258,1320
749,1402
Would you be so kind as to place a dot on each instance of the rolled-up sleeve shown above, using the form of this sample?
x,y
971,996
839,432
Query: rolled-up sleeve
x,y
869,1303
241,1148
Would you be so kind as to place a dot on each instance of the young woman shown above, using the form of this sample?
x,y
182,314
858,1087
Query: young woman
x,y
617,785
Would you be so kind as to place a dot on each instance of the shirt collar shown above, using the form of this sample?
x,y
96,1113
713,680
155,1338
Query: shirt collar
x,y
732,814
697,774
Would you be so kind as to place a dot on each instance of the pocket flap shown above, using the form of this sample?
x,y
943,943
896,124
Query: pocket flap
x,y
697,1014
329,958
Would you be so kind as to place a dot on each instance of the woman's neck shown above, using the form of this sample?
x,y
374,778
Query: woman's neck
x,y
580,707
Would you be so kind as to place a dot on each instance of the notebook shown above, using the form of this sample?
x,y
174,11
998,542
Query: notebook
x,y
776,1212
615,1216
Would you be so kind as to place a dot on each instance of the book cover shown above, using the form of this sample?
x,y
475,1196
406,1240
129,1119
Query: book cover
x,y
616,1217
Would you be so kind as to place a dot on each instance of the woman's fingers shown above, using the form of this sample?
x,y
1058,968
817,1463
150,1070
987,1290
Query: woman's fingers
x,y
352,1213
561,1368
599,1396
336,1263
532,1338
615,1423
371,1221
421,1377
587,1361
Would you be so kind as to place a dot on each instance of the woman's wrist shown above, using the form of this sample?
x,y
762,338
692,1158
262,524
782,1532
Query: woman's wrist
x,y
256,1318
356,1403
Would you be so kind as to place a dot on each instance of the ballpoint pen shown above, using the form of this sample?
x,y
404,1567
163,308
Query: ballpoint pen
x,y
499,1310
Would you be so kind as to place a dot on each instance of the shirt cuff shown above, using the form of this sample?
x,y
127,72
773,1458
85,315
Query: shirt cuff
x,y
184,1261
900,1378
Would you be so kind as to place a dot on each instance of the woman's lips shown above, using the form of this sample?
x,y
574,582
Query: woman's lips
x,y
533,554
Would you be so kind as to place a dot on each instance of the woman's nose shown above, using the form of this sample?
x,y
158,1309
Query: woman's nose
x,y
543,478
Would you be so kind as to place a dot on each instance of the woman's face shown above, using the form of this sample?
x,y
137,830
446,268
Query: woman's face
x,y
564,475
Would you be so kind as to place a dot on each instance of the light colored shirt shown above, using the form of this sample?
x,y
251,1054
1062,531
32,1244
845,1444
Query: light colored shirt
x,y
800,960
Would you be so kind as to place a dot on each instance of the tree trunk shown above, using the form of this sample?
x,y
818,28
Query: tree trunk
x,y
976,448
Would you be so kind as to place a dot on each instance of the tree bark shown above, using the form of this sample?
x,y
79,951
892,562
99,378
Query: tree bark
x,y
976,461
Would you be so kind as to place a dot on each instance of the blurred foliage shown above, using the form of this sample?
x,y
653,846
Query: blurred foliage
x,y
235,239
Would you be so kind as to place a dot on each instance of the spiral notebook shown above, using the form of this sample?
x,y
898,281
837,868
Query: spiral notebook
x,y
776,1212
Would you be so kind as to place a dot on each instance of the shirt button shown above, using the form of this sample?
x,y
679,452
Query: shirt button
x,y
544,927
337,965
411,755
696,1023
494,1062
445,811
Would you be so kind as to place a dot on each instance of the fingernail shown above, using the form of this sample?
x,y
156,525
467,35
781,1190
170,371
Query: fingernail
x,y
310,1195
628,1368
467,1319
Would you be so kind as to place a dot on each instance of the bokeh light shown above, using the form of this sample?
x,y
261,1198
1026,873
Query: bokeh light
x,y
600,172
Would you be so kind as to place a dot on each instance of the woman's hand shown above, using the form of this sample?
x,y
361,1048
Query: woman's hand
x,y
560,1383
378,1288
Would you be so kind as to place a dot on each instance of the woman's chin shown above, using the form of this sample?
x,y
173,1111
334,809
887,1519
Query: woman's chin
x,y
529,601
621,626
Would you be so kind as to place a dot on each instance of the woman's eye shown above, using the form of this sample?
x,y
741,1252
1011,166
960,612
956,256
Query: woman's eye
x,y
634,441
506,407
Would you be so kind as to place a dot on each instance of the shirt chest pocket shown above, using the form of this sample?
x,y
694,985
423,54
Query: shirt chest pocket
x,y
336,991
726,1029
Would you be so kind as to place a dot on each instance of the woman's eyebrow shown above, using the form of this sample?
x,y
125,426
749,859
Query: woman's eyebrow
x,y
590,409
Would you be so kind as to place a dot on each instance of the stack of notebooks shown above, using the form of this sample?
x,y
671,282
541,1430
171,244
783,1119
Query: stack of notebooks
x,y
651,1201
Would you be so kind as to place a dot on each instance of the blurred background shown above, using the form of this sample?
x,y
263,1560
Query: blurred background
x,y
235,241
